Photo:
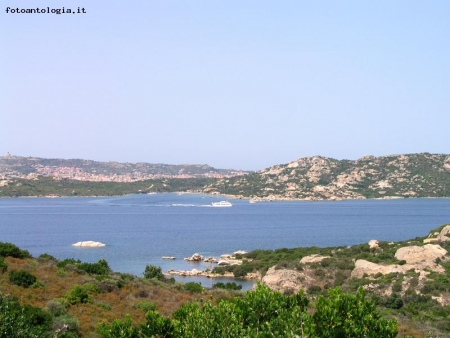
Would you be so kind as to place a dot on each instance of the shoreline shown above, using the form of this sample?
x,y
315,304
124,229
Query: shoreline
x,y
241,197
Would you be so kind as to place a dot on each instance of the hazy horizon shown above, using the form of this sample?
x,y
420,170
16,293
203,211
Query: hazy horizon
x,y
257,169
242,85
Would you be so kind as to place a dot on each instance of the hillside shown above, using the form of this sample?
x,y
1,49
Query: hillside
x,y
86,170
303,290
309,178
322,178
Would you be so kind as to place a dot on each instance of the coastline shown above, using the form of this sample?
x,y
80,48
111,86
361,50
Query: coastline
x,y
254,199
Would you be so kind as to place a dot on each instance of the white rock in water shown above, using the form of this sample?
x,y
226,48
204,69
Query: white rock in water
x,y
89,244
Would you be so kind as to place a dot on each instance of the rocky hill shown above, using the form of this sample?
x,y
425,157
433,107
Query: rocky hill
x,y
405,278
322,178
86,170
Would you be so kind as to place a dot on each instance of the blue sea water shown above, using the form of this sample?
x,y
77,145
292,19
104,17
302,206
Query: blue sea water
x,y
140,229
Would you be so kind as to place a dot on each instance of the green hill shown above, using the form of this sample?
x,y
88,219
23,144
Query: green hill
x,y
322,178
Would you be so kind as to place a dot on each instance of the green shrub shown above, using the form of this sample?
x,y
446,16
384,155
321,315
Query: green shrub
x,y
46,257
242,270
345,315
22,278
99,268
68,261
193,287
3,265
227,286
119,329
314,290
394,301
326,262
146,306
263,313
22,321
10,250
66,326
397,287
57,307
152,271
80,293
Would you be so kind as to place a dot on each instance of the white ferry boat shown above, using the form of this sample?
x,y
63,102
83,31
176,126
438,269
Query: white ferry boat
x,y
221,204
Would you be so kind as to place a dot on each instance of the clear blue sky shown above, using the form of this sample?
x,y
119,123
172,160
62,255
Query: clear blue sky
x,y
235,84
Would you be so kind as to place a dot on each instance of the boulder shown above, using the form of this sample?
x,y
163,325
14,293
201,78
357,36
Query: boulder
x,y
365,267
287,281
373,244
194,258
313,259
210,260
444,235
223,262
420,254
89,244
418,258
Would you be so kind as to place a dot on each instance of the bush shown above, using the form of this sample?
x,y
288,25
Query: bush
x,y
345,315
66,326
119,329
10,250
68,261
394,301
314,290
146,306
263,313
397,287
193,287
22,321
227,286
80,293
3,265
99,268
22,278
57,307
46,257
152,271
242,270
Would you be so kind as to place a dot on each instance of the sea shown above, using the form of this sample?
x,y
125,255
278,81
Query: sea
x,y
141,229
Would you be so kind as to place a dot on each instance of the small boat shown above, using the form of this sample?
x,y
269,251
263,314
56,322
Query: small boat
x,y
221,204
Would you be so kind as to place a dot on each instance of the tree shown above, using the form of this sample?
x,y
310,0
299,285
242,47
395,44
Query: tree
x,y
342,315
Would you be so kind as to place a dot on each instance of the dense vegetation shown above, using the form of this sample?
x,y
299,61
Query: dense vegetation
x,y
405,295
45,186
264,313
45,297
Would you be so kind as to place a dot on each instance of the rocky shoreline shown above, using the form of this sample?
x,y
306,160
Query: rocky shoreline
x,y
223,260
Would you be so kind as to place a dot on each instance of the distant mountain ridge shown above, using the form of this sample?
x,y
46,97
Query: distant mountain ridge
x,y
322,178
87,170
309,178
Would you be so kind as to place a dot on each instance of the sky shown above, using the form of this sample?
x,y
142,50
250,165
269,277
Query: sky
x,y
243,84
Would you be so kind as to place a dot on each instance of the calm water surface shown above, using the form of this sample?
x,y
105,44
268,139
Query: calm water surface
x,y
140,229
